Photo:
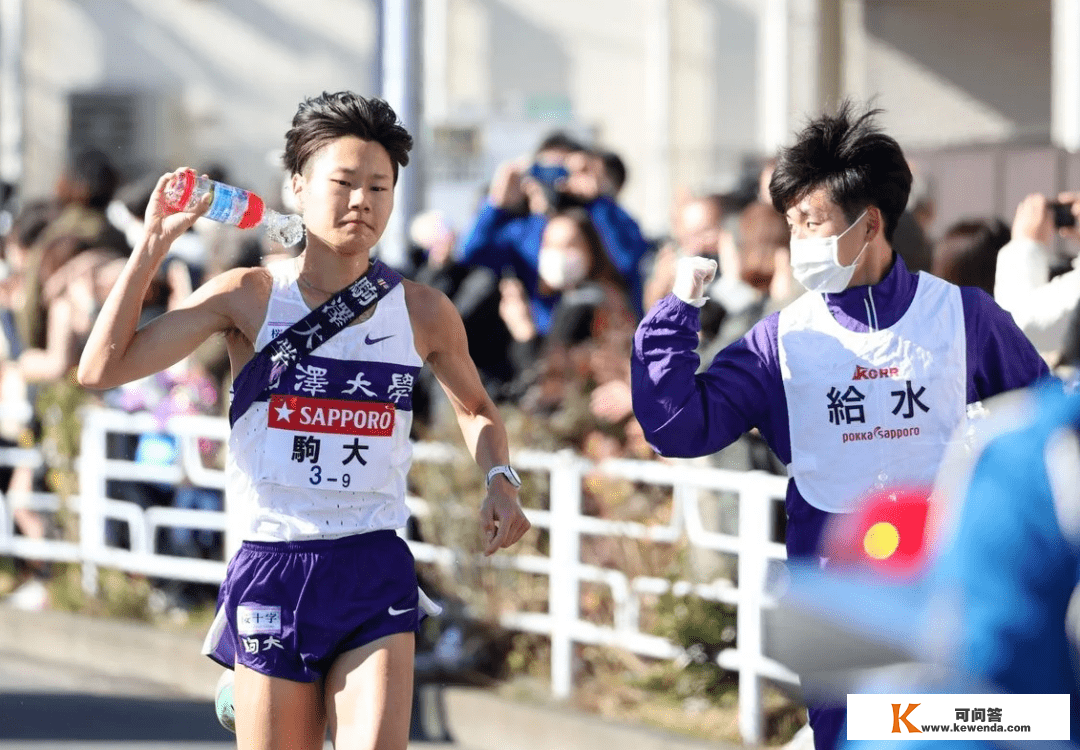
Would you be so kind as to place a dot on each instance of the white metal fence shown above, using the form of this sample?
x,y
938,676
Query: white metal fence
x,y
564,521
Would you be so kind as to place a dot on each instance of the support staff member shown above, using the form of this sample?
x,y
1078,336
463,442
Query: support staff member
x,y
857,385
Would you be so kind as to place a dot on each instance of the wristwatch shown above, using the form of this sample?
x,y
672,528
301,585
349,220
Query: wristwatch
x,y
506,471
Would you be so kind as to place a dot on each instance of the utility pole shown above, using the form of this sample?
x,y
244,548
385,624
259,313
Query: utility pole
x,y
774,74
11,91
1065,74
399,55
658,113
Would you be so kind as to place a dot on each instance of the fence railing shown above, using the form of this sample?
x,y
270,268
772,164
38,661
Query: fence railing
x,y
565,523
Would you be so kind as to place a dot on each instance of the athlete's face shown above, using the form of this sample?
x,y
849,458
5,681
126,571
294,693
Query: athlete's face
x,y
817,216
346,194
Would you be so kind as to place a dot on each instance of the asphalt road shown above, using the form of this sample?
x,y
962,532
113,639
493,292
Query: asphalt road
x,y
73,682
51,706
47,705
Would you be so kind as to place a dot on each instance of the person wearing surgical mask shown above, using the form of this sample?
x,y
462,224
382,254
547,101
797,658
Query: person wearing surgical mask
x,y
591,297
861,382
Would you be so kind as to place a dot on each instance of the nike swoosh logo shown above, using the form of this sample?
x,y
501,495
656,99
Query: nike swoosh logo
x,y
368,340
395,612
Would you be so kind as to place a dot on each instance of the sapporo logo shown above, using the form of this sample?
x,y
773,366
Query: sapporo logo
x,y
898,717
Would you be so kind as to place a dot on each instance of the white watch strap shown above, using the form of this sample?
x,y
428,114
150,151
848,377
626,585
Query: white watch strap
x,y
506,471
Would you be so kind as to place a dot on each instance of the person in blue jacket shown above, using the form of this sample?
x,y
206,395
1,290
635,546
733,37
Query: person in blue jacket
x,y
996,603
857,385
506,235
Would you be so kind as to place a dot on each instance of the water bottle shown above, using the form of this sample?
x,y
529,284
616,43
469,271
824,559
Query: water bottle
x,y
232,205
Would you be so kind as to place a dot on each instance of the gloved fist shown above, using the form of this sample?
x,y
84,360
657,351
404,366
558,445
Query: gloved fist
x,y
692,275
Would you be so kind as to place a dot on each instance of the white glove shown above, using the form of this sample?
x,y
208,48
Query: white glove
x,y
692,275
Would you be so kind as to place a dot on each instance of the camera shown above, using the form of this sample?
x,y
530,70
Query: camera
x,y
548,175
552,177
1063,215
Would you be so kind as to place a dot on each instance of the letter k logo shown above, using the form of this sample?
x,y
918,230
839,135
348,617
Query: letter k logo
x,y
897,718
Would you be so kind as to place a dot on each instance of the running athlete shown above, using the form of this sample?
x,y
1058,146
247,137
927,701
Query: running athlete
x,y
318,610
858,384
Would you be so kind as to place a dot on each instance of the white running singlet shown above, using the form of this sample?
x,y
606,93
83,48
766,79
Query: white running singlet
x,y
328,454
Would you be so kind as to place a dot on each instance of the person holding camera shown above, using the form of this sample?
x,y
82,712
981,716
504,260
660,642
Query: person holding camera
x,y
507,234
1041,306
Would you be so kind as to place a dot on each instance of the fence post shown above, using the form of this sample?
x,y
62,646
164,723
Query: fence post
x,y
754,533
565,551
92,455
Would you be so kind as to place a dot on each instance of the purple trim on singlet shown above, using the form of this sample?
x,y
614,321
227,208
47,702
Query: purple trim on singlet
x,y
276,362
684,414
351,380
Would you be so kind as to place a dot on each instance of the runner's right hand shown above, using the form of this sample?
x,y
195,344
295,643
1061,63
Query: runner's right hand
x,y
692,275
161,224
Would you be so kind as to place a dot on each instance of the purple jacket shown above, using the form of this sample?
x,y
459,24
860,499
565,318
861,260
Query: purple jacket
x,y
684,414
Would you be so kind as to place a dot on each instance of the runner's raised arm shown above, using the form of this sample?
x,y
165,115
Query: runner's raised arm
x,y
117,350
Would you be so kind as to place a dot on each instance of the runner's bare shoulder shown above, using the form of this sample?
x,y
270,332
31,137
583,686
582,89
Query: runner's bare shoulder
x,y
241,295
432,314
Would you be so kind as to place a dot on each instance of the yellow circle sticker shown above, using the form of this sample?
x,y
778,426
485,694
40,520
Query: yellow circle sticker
x,y
881,540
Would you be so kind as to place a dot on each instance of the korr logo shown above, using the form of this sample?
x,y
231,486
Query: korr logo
x,y
897,717
870,373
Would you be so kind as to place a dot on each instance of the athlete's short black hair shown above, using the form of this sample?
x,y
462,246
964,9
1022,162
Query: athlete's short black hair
x,y
325,118
848,155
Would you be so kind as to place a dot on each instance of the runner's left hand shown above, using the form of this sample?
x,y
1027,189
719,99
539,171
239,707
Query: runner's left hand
x,y
502,521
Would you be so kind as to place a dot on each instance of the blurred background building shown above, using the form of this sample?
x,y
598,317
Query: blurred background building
x,y
692,93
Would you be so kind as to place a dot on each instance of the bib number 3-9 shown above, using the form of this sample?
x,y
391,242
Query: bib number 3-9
x,y
316,477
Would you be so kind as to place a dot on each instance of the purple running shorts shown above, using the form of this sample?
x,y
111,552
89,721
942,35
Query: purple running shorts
x,y
288,609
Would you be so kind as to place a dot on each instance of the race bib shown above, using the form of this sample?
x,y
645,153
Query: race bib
x,y
328,444
875,409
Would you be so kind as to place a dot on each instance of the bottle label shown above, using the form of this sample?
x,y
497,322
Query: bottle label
x,y
229,204
254,213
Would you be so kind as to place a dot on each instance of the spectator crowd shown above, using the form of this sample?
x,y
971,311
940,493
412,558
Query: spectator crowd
x,y
551,278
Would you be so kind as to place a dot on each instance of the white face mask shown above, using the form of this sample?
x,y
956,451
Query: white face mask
x,y
560,269
815,264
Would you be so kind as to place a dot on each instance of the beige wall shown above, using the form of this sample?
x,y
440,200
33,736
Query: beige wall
x,y
960,71
228,74
584,66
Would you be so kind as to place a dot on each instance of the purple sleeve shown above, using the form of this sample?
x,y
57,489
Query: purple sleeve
x,y
684,413
1000,357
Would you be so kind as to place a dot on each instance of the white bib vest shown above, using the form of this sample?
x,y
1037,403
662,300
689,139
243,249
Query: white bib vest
x,y
876,409
329,456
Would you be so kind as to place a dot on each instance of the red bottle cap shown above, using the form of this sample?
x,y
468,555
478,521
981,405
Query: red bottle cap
x,y
187,182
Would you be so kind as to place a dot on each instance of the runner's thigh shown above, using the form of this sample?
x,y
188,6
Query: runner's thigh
x,y
369,694
277,714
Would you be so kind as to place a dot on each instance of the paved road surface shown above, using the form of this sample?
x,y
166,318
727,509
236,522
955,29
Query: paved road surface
x,y
59,691
47,706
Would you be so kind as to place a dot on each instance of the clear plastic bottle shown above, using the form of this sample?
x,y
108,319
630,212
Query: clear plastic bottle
x,y
232,205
